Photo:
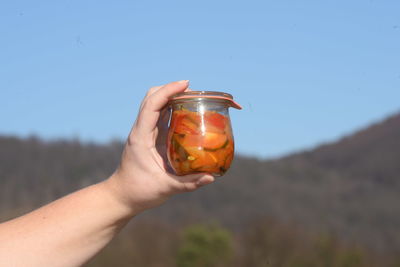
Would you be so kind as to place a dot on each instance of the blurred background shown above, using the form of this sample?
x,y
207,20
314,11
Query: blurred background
x,y
316,178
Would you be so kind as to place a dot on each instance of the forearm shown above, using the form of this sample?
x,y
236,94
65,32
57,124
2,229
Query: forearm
x,y
71,230
67,232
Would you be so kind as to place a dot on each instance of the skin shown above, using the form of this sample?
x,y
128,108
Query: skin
x,y
71,230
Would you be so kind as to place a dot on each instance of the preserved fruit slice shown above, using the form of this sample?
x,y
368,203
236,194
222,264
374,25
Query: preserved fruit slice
x,y
214,141
215,119
188,140
185,167
200,158
186,126
228,161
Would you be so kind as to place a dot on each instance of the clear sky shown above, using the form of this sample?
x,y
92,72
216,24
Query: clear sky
x,y
305,72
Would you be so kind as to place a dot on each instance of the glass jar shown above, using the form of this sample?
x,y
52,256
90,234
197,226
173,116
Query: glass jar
x,y
200,137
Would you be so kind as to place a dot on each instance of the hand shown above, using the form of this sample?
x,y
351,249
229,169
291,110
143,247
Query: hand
x,y
72,229
142,180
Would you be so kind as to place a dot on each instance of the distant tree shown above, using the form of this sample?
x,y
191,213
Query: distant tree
x,y
326,248
351,257
269,243
395,262
205,245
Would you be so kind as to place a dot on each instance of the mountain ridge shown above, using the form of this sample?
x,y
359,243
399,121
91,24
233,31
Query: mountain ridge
x,y
349,187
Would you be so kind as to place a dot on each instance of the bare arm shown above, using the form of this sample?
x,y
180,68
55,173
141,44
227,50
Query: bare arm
x,y
71,230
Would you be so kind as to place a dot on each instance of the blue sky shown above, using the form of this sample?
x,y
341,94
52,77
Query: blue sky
x,y
305,72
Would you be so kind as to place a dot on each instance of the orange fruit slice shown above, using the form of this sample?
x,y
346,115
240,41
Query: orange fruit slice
x,y
214,141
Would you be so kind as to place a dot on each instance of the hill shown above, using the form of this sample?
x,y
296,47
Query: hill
x,y
350,188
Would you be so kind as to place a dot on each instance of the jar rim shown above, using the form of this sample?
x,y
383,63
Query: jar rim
x,y
203,93
206,94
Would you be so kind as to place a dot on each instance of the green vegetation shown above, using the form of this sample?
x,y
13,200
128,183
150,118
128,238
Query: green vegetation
x,y
264,243
269,242
205,245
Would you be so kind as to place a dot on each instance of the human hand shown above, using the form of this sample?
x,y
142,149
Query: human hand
x,y
74,228
142,180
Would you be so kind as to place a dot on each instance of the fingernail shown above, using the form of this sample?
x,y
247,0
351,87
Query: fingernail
x,y
184,81
205,180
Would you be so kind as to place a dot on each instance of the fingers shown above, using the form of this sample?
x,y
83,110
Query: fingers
x,y
191,182
207,179
154,102
160,98
149,93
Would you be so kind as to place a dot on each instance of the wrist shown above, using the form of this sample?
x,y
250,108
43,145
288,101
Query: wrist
x,y
117,197
136,193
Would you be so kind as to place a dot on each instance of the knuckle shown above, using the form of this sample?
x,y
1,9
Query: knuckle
x,y
189,187
165,192
133,138
177,188
152,89
149,102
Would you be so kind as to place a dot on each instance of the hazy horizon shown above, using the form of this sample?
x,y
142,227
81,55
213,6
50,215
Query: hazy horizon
x,y
241,153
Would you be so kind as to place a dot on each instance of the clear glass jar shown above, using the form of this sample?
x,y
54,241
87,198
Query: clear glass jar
x,y
200,137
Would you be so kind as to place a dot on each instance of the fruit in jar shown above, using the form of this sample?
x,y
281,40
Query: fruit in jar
x,y
200,142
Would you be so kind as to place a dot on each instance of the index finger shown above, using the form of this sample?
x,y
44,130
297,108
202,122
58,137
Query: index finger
x,y
153,104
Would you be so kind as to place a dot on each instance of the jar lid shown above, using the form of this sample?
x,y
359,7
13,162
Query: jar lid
x,y
207,94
